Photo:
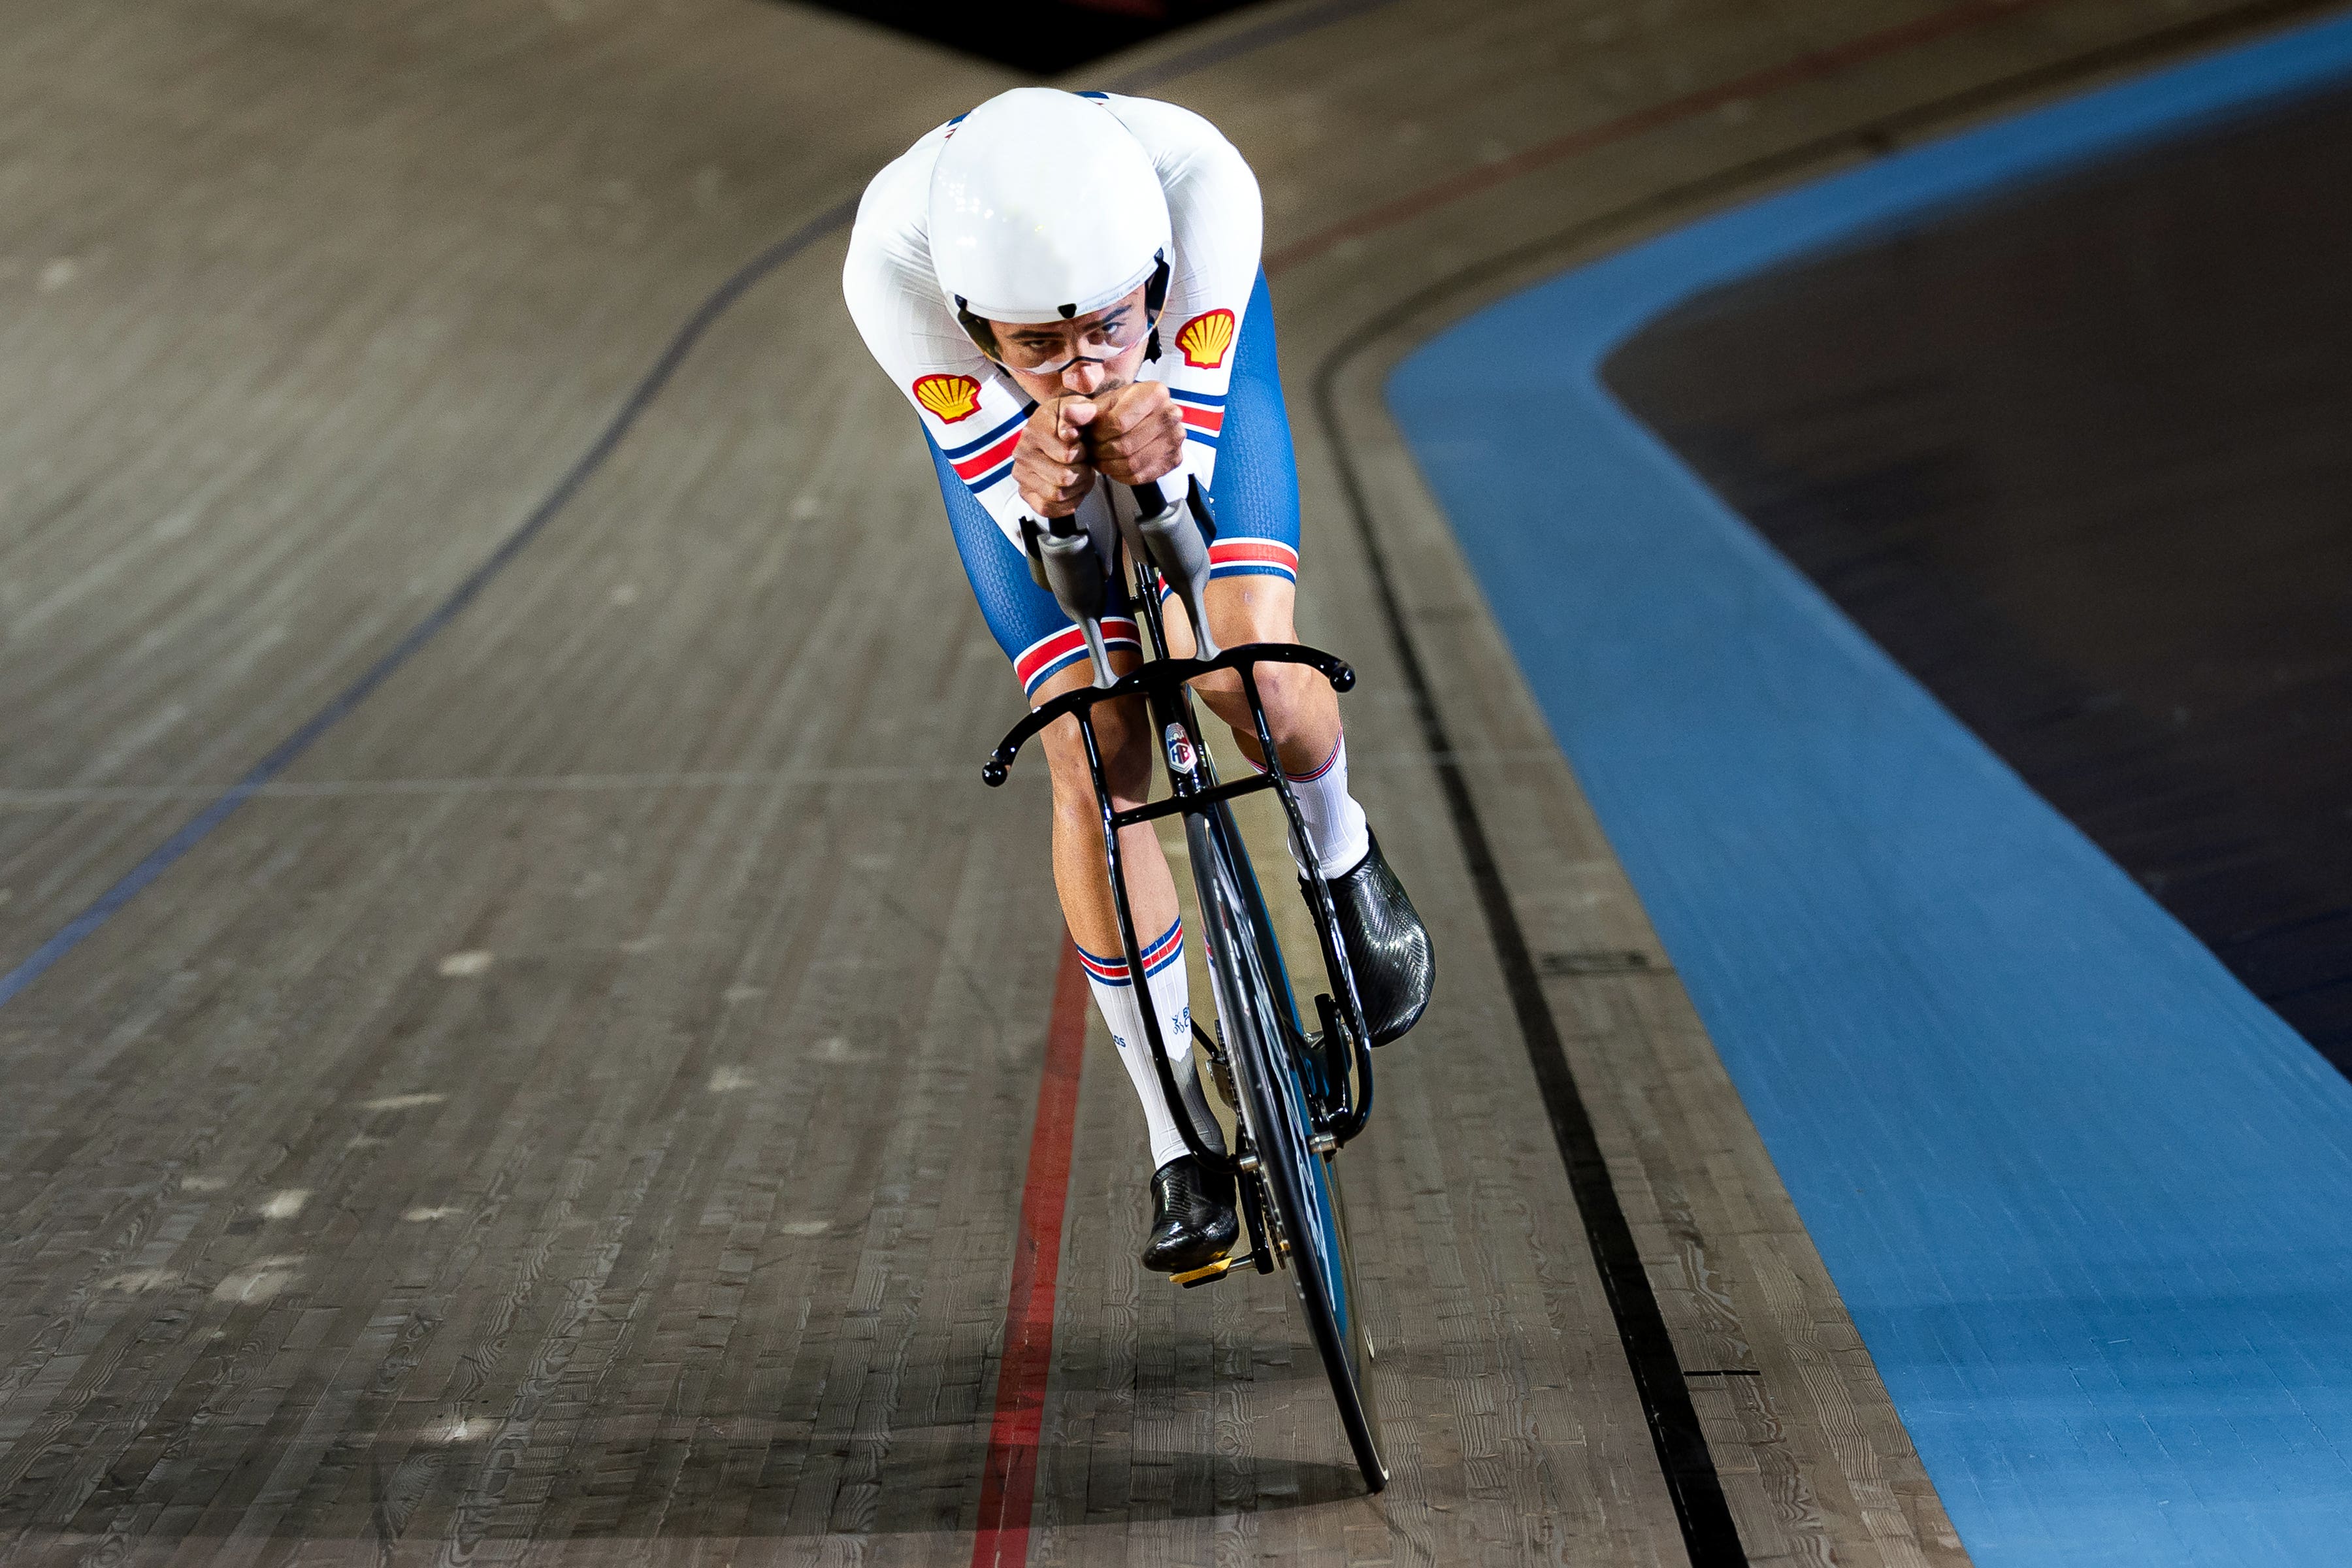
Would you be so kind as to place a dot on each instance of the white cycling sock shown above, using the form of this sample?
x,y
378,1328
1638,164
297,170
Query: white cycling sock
x,y
1115,995
1334,821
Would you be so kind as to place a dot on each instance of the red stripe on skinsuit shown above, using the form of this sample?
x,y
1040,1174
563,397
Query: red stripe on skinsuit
x,y
1008,1483
972,468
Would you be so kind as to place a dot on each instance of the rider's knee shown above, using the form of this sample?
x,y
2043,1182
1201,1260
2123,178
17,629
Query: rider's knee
x,y
1285,689
1286,694
1125,753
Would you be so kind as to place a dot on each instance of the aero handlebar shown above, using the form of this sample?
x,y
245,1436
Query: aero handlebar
x,y
1161,675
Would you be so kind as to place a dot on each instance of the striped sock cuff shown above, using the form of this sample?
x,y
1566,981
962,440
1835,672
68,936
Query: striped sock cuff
x,y
1313,773
1165,948
1327,764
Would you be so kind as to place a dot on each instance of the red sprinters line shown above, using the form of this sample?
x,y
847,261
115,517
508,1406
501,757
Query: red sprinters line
x,y
1008,1485
1965,16
1009,1482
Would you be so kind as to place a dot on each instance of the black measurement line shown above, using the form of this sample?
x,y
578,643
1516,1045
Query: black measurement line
x,y
1708,1534
616,428
1684,1460
290,751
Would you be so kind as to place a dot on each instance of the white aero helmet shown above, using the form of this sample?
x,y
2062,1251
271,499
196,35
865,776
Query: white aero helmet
x,y
1044,206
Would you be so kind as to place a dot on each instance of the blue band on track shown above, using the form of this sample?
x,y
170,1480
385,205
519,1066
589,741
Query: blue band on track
x,y
2084,1196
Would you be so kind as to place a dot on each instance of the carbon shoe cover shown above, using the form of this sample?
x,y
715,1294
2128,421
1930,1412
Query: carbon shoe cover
x,y
1193,1219
1388,947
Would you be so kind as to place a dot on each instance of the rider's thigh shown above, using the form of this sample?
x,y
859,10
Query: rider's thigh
x,y
1252,609
1254,560
1027,624
1255,487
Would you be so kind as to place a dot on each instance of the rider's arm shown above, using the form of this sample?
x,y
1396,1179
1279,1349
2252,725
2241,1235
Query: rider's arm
x,y
1214,206
970,407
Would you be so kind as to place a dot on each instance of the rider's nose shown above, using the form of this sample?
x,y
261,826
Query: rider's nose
x,y
1083,377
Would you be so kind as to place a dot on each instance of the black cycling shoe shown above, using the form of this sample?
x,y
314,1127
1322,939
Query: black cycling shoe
x,y
1388,947
1193,1218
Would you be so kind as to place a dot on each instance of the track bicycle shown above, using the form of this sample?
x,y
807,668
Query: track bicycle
x,y
1298,1095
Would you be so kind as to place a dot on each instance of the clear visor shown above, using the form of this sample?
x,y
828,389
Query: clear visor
x,y
1051,347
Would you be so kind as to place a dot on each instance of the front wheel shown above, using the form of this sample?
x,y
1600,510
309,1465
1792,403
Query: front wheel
x,y
1300,1182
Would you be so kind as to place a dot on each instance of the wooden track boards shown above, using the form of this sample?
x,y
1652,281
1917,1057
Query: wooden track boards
x,y
578,1109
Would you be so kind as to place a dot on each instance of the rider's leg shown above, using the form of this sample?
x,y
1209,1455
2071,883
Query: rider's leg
x,y
1388,947
1253,581
1123,732
1253,578
1049,658
1193,1220
1302,713
1193,1223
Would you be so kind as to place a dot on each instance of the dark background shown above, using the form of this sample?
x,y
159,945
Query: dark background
x,y
1043,36
2081,460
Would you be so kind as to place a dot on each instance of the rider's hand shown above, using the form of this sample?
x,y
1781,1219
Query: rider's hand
x,y
1050,466
1137,433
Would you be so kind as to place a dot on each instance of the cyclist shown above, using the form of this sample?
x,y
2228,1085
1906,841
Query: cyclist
x,y
1066,288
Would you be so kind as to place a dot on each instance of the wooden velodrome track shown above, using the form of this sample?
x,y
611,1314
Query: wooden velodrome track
x,y
576,1092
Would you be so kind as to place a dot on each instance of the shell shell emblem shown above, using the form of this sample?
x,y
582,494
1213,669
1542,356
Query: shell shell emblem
x,y
949,397
1205,339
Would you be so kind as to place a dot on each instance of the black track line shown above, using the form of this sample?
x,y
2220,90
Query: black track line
x,y
1687,1464
1688,1468
641,397
1708,1534
284,754
1217,51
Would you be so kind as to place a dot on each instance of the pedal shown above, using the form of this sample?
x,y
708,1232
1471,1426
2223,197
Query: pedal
x,y
1212,1271
1220,1073
1332,1043
1206,1272
1223,1077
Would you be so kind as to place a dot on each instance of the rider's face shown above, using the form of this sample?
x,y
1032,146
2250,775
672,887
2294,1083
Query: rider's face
x,y
1096,352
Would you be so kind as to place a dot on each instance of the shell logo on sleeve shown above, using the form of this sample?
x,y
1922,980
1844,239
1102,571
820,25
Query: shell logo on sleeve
x,y
949,397
1205,339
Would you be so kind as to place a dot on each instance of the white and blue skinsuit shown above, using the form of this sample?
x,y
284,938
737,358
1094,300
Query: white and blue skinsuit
x,y
1216,358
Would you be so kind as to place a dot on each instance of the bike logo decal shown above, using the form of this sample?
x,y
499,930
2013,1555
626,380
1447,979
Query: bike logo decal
x,y
1205,339
1180,750
949,397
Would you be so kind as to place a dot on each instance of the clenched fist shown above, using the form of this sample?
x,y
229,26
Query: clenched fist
x,y
1133,434
1050,466
1136,435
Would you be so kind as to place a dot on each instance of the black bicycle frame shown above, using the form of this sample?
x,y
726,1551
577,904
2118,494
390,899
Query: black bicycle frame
x,y
1164,684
